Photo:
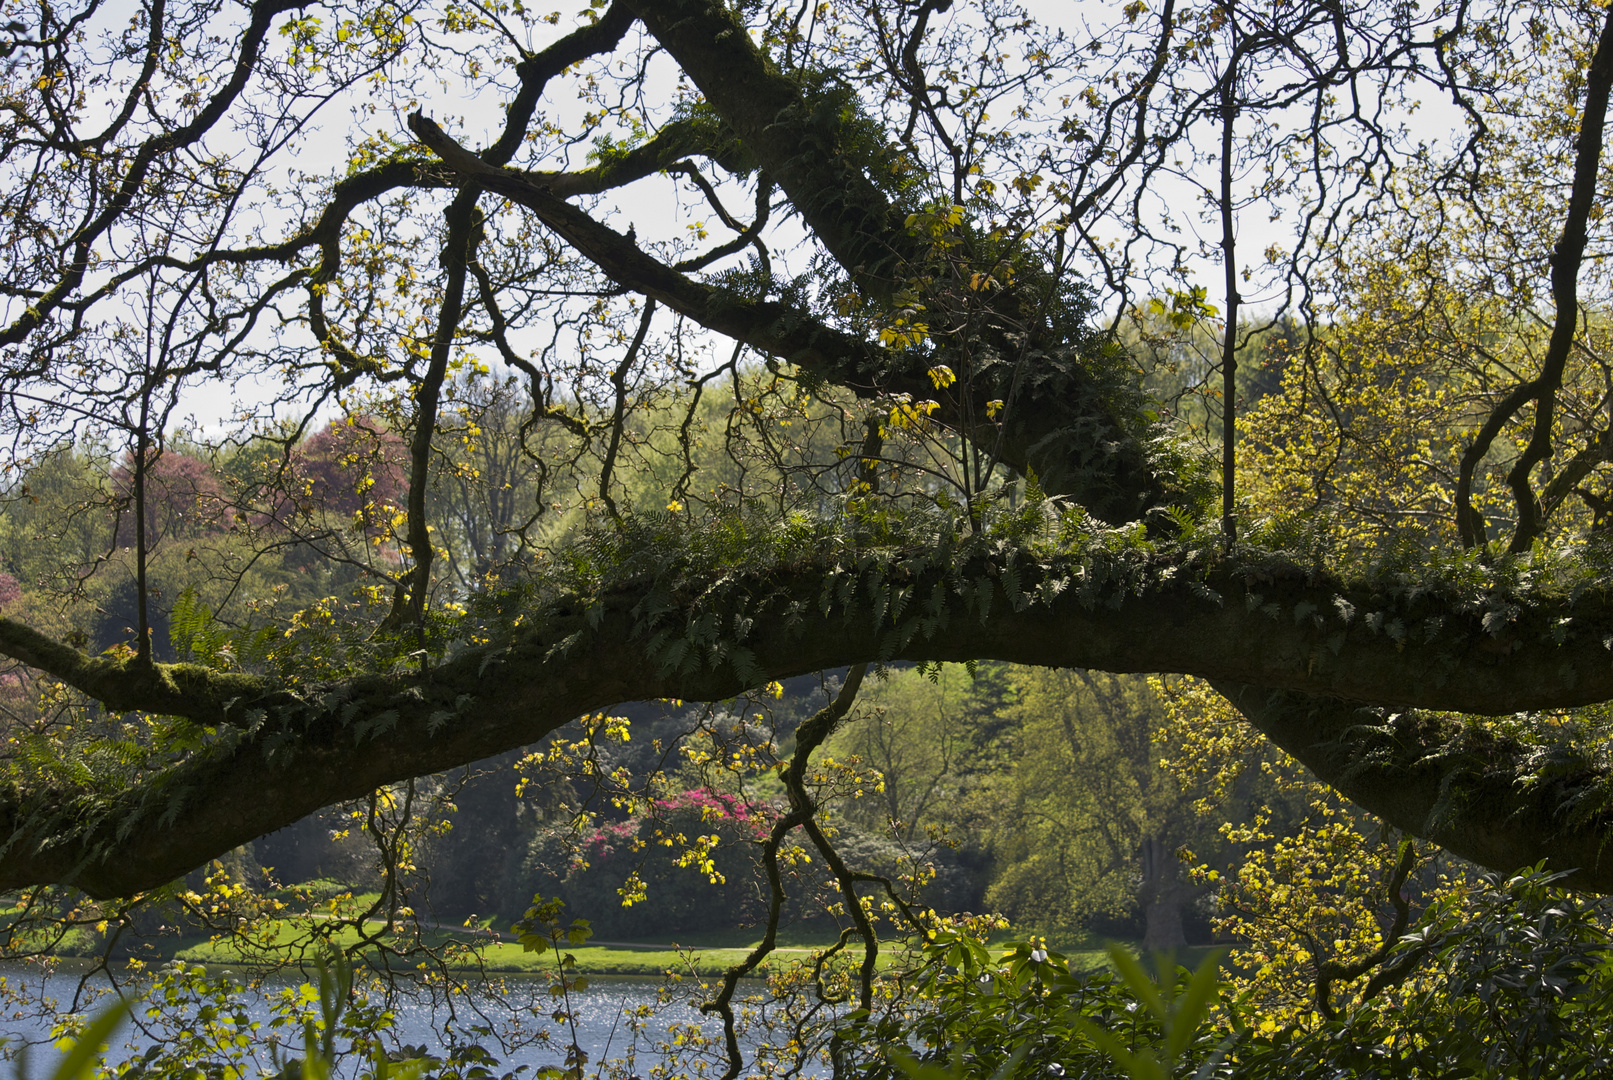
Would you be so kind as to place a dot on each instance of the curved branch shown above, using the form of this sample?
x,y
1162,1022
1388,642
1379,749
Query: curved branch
x,y
808,738
618,380
464,234
1241,622
535,71
1565,264
1066,432
1449,781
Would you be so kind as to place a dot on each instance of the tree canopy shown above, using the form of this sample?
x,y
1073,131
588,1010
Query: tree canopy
x,y
661,350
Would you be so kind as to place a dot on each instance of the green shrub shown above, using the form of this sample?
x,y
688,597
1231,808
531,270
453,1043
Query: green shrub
x,y
1516,983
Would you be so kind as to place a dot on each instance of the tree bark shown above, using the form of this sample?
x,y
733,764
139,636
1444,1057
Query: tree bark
x,y
1161,897
1246,624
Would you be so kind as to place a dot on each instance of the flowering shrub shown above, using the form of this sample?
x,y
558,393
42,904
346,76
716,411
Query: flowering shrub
x,y
755,819
747,820
687,862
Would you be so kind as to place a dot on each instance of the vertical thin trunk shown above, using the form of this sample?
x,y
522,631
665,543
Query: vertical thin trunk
x,y
1161,897
142,447
1229,345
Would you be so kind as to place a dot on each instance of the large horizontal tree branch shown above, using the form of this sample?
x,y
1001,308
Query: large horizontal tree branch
x,y
1249,622
124,685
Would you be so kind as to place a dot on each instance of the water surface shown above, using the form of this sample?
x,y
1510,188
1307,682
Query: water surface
x,y
617,1018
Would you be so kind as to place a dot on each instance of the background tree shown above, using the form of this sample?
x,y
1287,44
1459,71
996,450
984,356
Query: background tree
x,y
1089,823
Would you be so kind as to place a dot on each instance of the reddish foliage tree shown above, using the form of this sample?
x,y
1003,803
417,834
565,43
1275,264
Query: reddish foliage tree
x,y
184,499
354,468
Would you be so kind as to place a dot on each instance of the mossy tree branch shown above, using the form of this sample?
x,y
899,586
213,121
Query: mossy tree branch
x,y
1329,646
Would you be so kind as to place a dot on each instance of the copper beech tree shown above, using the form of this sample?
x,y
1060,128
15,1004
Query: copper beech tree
x,y
837,334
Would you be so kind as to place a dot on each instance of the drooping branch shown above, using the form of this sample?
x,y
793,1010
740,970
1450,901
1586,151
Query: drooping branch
x,y
1480,795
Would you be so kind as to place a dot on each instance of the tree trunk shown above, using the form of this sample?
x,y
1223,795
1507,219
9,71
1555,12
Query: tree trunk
x,y
1161,897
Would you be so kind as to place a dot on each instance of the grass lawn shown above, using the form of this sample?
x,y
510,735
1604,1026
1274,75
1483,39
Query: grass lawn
x,y
509,958
702,954
695,954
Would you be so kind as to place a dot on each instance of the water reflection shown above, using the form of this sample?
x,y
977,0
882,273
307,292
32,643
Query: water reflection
x,y
632,1021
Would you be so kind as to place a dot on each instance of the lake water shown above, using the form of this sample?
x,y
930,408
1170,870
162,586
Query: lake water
x,y
630,1020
